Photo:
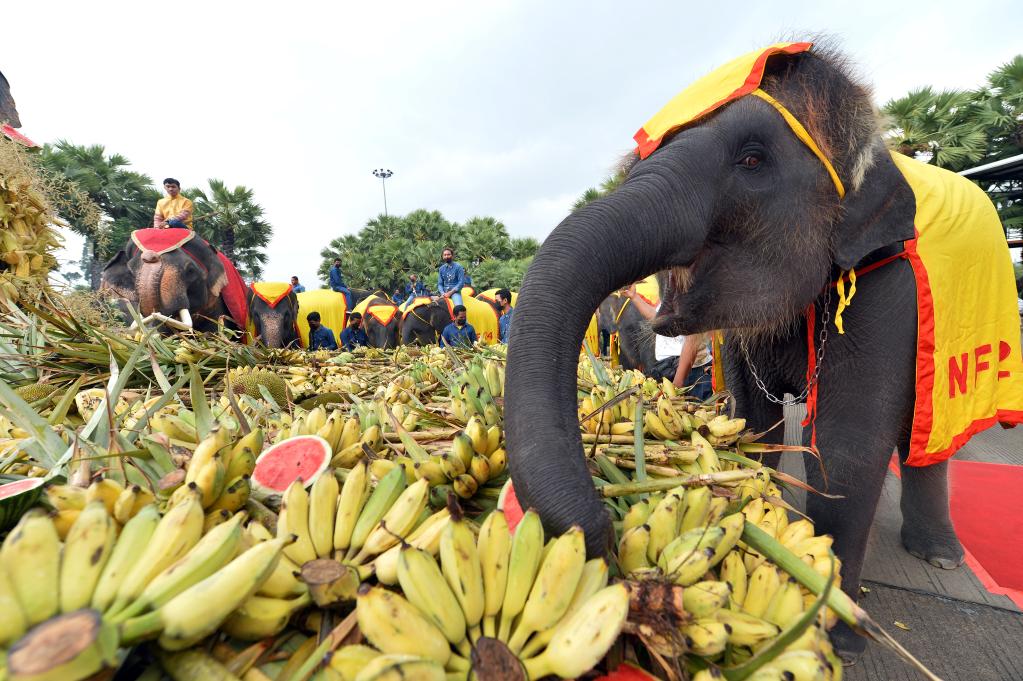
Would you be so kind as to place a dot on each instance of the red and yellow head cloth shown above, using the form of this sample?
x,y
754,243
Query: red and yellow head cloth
x,y
737,78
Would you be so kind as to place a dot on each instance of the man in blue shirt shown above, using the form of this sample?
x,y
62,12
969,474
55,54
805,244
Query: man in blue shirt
x,y
354,335
458,332
503,300
320,337
297,287
337,282
414,288
450,277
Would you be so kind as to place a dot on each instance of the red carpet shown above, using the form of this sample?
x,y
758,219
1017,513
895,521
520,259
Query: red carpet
x,y
989,521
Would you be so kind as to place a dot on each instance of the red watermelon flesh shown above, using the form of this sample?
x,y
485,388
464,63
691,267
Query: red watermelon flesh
x,y
16,498
303,457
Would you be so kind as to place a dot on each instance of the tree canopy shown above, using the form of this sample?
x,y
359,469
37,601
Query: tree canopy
x,y
233,222
390,248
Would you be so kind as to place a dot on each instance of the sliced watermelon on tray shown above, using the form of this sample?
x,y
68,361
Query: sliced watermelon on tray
x,y
16,498
303,457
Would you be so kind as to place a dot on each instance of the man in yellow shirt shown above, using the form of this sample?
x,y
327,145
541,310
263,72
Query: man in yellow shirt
x,y
173,210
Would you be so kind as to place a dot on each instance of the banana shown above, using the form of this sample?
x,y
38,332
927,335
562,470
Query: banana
x,y
425,588
763,583
174,427
399,520
373,437
593,579
251,443
703,599
745,629
555,584
395,626
796,532
66,497
218,438
210,554
687,558
294,520
402,668
349,503
786,605
695,508
706,637
724,427
260,617
350,433
453,466
176,533
636,515
733,526
460,564
477,433
125,503
733,571
479,469
706,457
494,546
426,537
210,479
632,549
348,661
134,539
656,427
465,486
196,612
105,490
582,639
323,500
234,496
802,665
387,491
31,558
13,623
527,547
213,519
663,523
88,547
431,470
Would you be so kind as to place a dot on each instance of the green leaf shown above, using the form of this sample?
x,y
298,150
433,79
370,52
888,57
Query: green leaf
x,y
200,407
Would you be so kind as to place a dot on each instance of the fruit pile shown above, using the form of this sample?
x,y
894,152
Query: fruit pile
x,y
295,516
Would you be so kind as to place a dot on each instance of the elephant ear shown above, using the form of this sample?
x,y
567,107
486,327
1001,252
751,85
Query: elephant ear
x,y
879,213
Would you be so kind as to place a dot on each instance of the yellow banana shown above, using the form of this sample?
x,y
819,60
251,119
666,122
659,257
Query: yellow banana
x,y
732,525
636,515
134,538
218,438
477,433
387,491
498,462
31,558
479,469
13,623
399,520
763,584
105,490
706,457
745,629
234,496
88,547
402,668
786,605
260,617
656,427
66,497
348,661
323,500
425,588
393,625
593,579
733,571
703,599
294,520
695,508
663,523
632,549
425,537
460,564
494,546
706,637
349,504
527,546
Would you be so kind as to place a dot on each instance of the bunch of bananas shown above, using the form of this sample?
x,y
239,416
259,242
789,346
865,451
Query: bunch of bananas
x,y
122,503
27,238
475,390
158,577
546,605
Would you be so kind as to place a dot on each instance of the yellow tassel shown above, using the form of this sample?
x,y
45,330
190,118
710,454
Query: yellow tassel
x,y
844,301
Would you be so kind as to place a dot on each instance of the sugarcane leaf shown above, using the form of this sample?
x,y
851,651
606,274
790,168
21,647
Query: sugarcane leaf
x,y
640,451
25,417
59,412
598,366
200,407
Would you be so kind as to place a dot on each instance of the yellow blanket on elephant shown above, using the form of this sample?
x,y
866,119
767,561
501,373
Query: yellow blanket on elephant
x,y
378,308
969,372
331,306
483,318
272,292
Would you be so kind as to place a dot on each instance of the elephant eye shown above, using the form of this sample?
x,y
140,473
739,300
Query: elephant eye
x,y
750,160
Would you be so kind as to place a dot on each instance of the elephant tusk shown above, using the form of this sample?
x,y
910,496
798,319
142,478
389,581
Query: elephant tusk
x,y
186,318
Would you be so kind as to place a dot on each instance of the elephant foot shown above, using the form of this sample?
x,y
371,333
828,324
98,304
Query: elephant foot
x,y
848,644
942,551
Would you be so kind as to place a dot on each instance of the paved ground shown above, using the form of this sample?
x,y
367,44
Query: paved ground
x,y
958,629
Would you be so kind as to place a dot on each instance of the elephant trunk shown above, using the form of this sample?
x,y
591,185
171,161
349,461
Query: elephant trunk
x,y
607,245
149,283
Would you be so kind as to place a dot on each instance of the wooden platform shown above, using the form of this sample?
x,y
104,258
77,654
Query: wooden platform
x,y
956,627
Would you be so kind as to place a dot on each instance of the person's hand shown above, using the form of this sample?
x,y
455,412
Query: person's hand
x,y
629,291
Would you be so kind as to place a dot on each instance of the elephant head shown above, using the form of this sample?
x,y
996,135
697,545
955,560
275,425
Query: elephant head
x,y
8,112
381,322
748,220
274,319
183,284
423,325
635,338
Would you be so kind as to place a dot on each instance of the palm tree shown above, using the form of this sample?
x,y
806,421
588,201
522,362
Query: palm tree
x,y
944,125
125,197
232,221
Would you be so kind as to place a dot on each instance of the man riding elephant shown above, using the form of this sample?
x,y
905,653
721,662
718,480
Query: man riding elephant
x,y
874,287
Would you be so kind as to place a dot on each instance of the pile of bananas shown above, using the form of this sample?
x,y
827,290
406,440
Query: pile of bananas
x,y
545,606
102,589
27,238
121,502
474,391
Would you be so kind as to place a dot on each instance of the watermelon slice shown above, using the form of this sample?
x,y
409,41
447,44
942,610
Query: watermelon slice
x,y
16,498
303,457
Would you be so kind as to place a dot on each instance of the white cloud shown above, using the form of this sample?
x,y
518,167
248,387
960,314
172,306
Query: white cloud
x,y
508,109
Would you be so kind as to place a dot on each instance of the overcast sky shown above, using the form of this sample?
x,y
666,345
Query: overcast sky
x,y
509,109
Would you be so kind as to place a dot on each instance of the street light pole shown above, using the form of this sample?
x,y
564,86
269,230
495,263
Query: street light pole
x,y
383,174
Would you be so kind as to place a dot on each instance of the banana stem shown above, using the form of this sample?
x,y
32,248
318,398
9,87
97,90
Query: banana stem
x,y
139,628
638,444
662,484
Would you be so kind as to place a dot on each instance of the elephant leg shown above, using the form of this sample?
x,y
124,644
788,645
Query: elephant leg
x,y
927,531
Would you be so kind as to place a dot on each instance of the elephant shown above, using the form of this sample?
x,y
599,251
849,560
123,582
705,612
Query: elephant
x,y
380,320
635,339
273,309
422,324
8,111
755,207
178,279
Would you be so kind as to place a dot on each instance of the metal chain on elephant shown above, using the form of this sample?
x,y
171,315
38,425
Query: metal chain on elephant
x,y
822,340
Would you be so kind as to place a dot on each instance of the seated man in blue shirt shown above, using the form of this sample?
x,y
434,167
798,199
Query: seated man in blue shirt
x,y
414,289
320,337
354,335
458,332
450,278
337,282
297,287
503,300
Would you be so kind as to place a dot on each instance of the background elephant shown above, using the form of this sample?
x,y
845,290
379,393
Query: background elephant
x,y
273,309
8,112
380,320
188,284
422,324
617,315
753,227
